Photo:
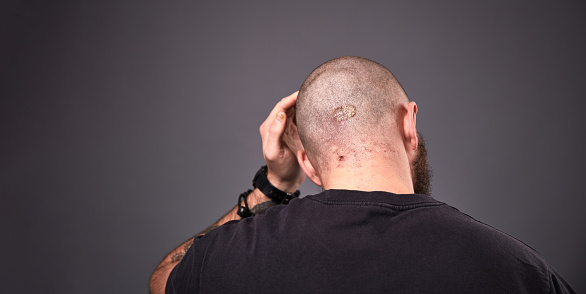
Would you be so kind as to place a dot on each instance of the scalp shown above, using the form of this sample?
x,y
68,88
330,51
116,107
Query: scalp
x,y
345,106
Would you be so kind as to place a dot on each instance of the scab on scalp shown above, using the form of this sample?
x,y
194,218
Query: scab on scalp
x,y
344,112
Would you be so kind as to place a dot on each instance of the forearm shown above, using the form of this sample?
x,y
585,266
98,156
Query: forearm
x,y
258,202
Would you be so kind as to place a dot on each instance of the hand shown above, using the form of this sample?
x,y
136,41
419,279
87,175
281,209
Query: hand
x,y
284,171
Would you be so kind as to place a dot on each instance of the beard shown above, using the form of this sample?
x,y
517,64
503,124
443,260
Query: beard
x,y
420,170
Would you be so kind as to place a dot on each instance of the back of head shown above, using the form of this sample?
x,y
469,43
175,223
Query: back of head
x,y
347,109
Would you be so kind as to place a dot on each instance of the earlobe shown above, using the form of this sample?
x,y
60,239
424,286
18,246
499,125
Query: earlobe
x,y
307,167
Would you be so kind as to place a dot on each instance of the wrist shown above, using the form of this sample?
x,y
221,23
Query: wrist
x,y
285,186
256,197
265,194
254,202
261,181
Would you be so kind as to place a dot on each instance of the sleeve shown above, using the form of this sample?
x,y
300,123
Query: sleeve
x,y
185,276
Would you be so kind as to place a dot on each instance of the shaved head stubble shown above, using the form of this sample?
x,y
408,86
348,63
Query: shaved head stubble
x,y
347,109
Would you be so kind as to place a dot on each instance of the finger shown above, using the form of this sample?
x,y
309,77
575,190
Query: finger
x,y
291,138
274,143
283,105
288,101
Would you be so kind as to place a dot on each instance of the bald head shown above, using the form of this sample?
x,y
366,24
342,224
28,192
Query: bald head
x,y
346,108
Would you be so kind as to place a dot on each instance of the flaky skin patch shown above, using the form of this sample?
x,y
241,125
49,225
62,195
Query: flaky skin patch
x,y
344,112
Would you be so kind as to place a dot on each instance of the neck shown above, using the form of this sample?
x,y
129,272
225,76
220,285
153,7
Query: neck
x,y
374,174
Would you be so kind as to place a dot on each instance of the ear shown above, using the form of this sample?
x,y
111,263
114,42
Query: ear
x,y
307,167
410,130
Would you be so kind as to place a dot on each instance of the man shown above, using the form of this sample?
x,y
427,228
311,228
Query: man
x,y
371,230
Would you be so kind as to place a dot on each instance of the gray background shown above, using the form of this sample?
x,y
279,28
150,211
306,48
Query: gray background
x,y
128,126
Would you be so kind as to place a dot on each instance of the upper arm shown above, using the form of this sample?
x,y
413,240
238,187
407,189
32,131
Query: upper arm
x,y
184,278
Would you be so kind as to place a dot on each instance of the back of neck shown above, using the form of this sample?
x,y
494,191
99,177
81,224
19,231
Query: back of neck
x,y
370,175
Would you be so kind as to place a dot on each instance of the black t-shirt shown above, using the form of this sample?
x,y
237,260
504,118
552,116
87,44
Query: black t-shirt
x,y
341,241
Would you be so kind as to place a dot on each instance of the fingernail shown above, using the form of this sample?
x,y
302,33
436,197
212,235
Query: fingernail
x,y
280,116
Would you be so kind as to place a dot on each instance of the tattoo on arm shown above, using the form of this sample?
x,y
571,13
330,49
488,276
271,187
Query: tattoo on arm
x,y
262,207
179,255
257,209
